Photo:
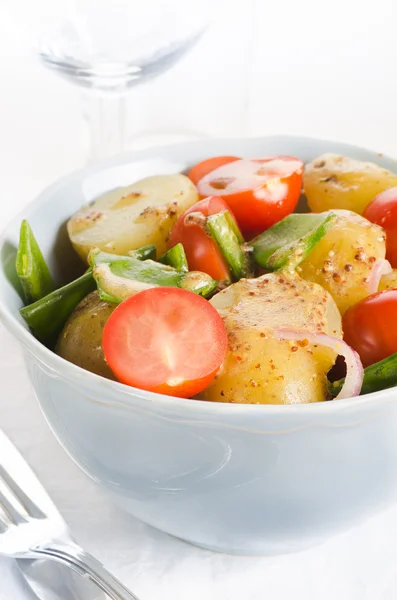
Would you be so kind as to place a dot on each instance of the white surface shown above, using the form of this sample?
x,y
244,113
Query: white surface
x,y
299,67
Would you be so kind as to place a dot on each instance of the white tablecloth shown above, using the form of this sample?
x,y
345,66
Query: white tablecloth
x,y
40,139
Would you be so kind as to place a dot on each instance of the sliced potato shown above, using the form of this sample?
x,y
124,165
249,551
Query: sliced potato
x,y
80,341
389,281
259,368
342,261
128,218
333,181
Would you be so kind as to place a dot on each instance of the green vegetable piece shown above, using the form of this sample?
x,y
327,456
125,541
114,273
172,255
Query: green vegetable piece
x,y
233,225
31,267
47,316
199,283
119,277
176,257
144,253
228,240
379,376
291,240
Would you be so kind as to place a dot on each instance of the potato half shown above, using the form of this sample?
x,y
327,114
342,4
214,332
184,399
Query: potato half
x,y
80,341
128,218
343,260
259,368
333,181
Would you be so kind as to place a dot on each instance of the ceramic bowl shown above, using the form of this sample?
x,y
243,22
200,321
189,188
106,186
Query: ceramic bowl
x,y
232,478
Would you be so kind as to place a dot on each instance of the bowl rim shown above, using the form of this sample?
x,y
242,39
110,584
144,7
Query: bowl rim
x,y
124,393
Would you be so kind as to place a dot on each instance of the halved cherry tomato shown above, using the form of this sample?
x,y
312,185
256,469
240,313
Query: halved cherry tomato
x,y
260,192
206,166
370,326
165,340
383,211
201,250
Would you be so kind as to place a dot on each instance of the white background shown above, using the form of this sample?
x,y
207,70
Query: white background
x,y
323,69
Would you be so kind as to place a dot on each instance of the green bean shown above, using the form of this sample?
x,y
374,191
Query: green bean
x,y
119,277
31,267
287,243
47,316
229,242
175,257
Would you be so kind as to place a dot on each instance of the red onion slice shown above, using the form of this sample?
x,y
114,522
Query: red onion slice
x,y
354,368
381,267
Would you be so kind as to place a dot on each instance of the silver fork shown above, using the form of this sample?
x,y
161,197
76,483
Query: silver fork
x,y
32,528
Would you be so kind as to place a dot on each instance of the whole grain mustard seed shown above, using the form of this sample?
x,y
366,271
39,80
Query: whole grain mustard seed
x,y
327,266
348,267
360,256
294,349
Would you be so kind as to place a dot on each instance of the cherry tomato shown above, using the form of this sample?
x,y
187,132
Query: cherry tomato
x,y
165,340
201,250
383,211
206,166
370,326
260,192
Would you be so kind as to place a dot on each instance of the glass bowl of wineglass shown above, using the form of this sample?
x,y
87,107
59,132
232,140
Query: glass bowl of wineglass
x,y
107,47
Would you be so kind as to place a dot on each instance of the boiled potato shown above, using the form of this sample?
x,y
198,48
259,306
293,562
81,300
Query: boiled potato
x,y
259,368
342,261
80,341
389,281
134,216
332,181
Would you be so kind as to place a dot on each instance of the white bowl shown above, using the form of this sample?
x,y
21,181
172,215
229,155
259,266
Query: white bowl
x,y
233,478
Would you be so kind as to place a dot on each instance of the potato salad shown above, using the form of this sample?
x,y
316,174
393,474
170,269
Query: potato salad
x,y
215,286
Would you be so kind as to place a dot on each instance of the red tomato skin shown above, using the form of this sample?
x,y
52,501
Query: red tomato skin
x,y
370,326
382,210
254,215
117,341
204,167
202,252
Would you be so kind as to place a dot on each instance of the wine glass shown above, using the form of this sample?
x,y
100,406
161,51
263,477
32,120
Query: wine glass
x,y
109,46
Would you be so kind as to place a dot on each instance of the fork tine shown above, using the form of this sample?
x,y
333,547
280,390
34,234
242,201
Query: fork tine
x,y
10,506
3,521
27,504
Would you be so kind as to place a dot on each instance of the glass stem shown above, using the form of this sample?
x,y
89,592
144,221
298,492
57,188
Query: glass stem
x,y
105,116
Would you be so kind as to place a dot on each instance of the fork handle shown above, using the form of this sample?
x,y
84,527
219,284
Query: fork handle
x,y
87,565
